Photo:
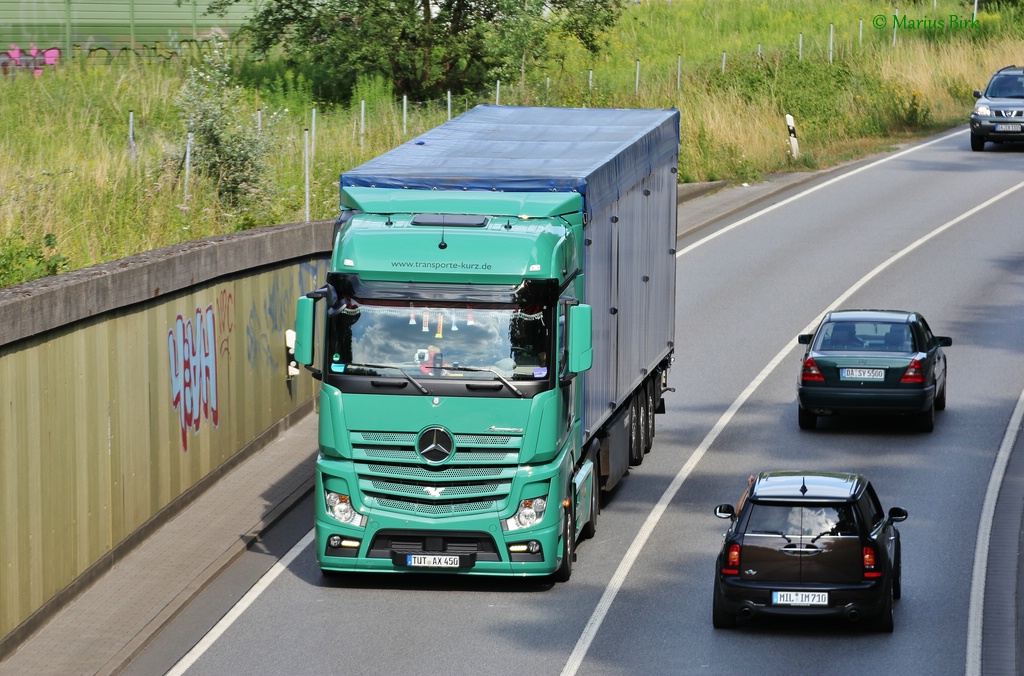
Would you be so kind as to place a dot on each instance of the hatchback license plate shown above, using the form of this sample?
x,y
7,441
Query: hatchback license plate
x,y
863,374
794,598
432,561
1007,127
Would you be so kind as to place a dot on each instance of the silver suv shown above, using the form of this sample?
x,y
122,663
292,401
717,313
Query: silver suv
x,y
998,115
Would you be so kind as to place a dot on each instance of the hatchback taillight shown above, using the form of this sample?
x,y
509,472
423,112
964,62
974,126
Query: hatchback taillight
x,y
914,374
732,561
811,372
870,567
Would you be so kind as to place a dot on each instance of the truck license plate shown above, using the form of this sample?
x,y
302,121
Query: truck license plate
x,y
432,561
794,598
1007,127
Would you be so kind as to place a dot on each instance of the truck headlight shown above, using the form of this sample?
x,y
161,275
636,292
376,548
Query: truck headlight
x,y
530,513
340,507
983,110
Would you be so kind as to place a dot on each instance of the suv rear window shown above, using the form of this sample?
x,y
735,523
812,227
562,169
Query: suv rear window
x,y
801,520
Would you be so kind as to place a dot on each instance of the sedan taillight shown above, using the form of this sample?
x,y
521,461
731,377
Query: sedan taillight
x,y
732,561
811,372
870,567
914,373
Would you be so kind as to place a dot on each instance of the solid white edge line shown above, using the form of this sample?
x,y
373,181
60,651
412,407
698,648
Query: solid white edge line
x,y
575,659
808,191
236,611
976,611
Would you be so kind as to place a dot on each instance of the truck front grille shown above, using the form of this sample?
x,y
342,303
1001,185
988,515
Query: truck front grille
x,y
477,477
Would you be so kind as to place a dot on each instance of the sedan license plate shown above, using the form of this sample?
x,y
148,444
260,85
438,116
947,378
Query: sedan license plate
x,y
798,598
432,561
862,374
1007,127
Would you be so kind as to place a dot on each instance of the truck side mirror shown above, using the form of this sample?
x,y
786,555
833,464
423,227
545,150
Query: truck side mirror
x,y
304,313
581,345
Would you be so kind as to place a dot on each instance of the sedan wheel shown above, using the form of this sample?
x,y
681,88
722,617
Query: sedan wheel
x,y
926,420
806,419
940,399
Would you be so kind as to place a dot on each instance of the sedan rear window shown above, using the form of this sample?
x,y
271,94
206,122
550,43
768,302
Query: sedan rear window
x,y
865,336
801,520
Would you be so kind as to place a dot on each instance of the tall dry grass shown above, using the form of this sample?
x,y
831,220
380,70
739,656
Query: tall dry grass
x,y
66,169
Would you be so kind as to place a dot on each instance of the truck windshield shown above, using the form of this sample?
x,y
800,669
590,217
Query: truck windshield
x,y
440,340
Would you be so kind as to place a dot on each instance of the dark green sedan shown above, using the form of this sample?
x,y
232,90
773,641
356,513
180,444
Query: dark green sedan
x,y
872,361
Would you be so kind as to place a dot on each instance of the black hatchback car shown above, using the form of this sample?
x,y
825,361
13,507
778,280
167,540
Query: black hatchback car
x,y
812,544
872,361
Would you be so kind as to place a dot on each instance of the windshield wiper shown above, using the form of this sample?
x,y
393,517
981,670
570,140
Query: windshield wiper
x,y
487,370
408,377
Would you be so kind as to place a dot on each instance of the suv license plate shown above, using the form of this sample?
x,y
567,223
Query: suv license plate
x,y
432,561
791,598
1007,127
863,374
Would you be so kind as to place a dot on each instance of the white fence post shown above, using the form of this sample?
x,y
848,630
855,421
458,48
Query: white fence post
x,y
132,150
188,163
305,169
794,147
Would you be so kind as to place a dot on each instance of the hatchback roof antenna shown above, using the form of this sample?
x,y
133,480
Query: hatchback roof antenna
x,y
803,486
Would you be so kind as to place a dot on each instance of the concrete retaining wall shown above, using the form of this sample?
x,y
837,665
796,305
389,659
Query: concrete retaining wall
x,y
127,387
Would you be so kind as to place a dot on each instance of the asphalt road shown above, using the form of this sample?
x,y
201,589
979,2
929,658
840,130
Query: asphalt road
x,y
934,228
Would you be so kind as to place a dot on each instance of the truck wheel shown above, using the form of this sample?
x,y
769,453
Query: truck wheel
x,y
590,527
636,448
564,571
977,143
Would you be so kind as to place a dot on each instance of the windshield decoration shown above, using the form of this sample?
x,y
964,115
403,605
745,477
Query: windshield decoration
x,y
484,341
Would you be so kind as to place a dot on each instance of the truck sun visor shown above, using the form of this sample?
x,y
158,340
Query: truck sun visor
x,y
453,220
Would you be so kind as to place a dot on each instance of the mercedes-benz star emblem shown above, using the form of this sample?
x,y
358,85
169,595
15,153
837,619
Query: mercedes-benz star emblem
x,y
435,445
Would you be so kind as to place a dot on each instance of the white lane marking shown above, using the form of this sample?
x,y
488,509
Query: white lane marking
x,y
976,612
804,193
575,660
236,611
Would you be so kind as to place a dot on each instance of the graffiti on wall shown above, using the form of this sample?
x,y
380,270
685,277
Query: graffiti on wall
x,y
35,59
192,349
32,59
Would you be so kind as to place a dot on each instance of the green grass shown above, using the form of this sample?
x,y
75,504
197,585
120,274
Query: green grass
x,y
73,195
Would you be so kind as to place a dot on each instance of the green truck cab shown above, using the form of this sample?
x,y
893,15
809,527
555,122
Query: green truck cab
x,y
493,339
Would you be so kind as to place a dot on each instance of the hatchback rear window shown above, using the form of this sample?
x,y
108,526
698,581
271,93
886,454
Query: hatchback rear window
x,y
801,520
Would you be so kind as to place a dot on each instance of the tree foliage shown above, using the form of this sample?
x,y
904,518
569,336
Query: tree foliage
x,y
423,47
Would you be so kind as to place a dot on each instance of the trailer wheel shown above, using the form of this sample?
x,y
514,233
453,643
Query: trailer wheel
x,y
649,396
644,413
636,447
